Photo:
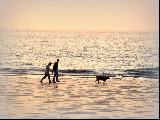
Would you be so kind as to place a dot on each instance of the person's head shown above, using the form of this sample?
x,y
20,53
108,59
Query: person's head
x,y
57,60
49,63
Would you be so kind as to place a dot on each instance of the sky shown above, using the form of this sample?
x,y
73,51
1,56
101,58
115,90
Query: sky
x,y
80,15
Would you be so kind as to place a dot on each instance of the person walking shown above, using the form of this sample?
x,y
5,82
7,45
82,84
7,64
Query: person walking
x,y
55,72
47,73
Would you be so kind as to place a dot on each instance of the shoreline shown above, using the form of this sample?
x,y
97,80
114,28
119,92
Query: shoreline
x,y
145,72
74,76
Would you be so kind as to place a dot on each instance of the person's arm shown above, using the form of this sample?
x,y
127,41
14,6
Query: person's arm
x,y
51,70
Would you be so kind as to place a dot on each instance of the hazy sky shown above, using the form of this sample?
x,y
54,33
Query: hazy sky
x,y
94,15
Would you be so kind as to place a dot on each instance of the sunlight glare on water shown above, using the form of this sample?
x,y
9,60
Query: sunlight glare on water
x,y
79,50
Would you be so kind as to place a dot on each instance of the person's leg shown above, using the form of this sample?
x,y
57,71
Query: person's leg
x,y
54,77
49,78
43,78
57,76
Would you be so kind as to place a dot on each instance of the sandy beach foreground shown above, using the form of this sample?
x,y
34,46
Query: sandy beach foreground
x,y
78,97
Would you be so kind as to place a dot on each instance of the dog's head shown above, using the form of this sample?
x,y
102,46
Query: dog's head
x,y
107,77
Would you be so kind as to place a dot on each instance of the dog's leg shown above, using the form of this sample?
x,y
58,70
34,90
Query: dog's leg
x,y
104,82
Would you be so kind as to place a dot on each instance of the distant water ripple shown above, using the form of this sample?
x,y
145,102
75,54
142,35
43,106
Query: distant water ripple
x,y
115,53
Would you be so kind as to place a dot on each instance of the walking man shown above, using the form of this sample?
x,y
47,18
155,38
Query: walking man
x,y
55,71
47,73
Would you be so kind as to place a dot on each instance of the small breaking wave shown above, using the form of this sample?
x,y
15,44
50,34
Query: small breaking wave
x,y
146,72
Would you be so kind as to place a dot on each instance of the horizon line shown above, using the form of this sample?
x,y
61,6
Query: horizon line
x,y
61,30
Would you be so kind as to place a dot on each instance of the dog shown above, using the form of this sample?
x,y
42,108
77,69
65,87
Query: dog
x,y
103,78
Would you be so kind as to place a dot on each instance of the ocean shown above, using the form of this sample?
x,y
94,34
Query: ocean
x,y
81,53
131,59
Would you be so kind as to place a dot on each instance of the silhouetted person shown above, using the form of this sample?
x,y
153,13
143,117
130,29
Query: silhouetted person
x,y
55,71
47,73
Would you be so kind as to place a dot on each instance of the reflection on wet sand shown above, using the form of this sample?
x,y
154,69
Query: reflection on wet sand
x,y
127,97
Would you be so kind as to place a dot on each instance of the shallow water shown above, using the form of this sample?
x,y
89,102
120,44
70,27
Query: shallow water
x,y
75,97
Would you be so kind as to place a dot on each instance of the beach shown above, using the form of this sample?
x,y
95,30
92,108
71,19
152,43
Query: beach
x,y
80,97
130,59
78,42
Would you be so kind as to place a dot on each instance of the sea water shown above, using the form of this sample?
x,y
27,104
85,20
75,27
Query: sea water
x,y
130,58
80,53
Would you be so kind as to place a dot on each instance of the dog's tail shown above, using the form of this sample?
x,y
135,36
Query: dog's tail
x,y
96,78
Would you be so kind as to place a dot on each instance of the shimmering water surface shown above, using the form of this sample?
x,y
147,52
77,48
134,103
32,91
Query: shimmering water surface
x,y
131,59
99,52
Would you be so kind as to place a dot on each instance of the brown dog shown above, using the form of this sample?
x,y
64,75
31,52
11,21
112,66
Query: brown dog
x,y
103,78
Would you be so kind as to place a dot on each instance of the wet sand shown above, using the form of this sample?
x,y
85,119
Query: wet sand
x,y
78,97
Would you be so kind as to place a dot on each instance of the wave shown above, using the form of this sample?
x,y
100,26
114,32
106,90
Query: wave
x,y
145,72
20,71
